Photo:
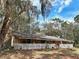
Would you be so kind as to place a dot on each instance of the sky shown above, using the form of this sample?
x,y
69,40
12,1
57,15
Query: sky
x,y
63,9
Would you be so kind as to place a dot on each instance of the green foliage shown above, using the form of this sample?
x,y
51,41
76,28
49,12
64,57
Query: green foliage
x,y
57,19
64,24
77,45
76,36
1,13
50,31
54,33
76,18
35,27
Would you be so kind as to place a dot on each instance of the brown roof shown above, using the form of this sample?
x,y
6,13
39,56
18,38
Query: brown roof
x,y
39,37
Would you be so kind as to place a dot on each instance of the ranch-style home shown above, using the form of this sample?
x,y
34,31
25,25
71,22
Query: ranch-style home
x,y
38,41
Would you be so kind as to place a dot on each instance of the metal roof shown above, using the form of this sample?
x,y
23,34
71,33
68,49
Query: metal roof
x,y
40,37
53,38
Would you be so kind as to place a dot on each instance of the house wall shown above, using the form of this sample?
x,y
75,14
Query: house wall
x,y
41,46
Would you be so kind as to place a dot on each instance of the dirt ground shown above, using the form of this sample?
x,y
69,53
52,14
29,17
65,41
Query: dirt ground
x,y
39,54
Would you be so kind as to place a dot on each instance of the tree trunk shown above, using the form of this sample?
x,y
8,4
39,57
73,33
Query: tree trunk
x,y
5,33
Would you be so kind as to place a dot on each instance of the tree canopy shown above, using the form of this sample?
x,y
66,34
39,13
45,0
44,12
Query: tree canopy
x,y
76,18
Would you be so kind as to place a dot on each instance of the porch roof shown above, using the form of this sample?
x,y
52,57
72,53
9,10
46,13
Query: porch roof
x,y
39,37
53,38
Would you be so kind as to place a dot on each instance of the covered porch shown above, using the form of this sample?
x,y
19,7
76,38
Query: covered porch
x,y
41,43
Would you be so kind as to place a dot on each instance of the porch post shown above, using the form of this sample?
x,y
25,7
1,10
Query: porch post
x,y
12,41
61,44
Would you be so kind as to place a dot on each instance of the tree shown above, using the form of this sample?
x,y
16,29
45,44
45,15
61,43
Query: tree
x,y
22,24
48,30
35,27
76,30
76,18
76,36
12,10
45,7
57,19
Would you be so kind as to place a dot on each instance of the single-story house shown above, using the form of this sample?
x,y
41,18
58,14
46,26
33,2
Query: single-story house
x,y
38,41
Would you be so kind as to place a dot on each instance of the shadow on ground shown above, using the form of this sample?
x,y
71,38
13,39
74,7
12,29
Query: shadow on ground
x,y
42,54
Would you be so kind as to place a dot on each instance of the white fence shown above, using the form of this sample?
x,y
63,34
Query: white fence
x,y
66,46
33,46
41,46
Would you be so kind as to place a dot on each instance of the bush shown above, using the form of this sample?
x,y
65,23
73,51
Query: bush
x,y
77,45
